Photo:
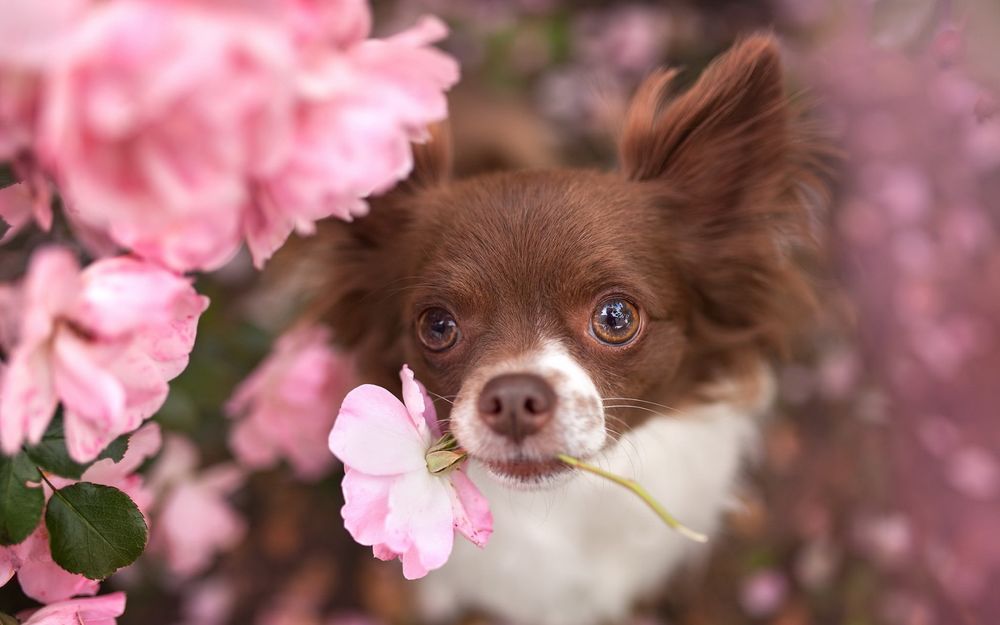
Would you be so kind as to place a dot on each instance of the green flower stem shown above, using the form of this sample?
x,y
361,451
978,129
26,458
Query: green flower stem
x,y
643,494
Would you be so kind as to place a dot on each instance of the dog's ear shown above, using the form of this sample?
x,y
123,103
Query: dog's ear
x,y
736,176
722,140
432,159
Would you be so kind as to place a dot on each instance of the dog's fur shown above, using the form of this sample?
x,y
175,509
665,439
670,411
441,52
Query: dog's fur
x,y
701,229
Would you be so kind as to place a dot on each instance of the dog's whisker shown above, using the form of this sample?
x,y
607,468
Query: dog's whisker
x,y
641,401
441,397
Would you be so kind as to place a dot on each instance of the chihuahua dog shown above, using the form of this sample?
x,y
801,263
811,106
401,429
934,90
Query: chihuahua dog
x,y
626,318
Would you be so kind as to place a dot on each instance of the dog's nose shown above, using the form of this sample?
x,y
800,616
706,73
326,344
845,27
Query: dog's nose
x,y
516,405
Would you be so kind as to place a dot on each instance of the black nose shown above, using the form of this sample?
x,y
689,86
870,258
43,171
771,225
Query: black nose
x,y
516,405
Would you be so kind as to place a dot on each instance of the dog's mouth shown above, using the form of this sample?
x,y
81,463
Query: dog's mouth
x,y
524,472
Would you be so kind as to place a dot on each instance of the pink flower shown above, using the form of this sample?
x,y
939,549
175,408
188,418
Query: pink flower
x,y
288,404
193,521
103,341
96,611
392,502
40,578
155,117
361,103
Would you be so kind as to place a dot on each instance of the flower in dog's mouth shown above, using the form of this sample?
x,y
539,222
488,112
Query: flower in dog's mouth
x,y
405,491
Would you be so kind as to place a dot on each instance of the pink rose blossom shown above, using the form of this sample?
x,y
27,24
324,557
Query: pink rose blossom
x,y
288,404
392,501
157,115
193,521
360,105
95,611
103,341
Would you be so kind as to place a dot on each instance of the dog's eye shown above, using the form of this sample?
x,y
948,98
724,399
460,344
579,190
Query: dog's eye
x,y
615,321
437,329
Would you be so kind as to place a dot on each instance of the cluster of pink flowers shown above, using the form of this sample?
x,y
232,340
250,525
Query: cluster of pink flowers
x,y
104,342
181,128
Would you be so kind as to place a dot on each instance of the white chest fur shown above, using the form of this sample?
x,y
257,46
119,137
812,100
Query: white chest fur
x,y
582,553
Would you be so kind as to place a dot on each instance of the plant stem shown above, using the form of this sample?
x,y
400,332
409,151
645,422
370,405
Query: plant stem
x,y
643,494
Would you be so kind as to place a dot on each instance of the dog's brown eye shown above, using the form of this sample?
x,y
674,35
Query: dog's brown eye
x,y
437,329
615,321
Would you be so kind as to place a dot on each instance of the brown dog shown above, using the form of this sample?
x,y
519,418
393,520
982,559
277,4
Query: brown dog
x,y
624,317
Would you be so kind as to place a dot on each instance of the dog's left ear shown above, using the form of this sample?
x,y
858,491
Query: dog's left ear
x,y
724,140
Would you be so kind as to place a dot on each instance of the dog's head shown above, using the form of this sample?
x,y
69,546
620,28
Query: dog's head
x,y
535,301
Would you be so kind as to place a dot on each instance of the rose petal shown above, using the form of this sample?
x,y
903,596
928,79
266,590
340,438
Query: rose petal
x,y
374,434
420,514
27,399
470,509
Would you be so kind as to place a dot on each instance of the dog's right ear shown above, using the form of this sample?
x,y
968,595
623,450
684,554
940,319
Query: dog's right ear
x,y
432,159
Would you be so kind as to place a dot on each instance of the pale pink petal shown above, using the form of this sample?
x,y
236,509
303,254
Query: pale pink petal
x,y
47,582
125,293
169,344
366,506
341,23
383,553
30,32
93,399
41,578
143,383
374,434
50,289
470,509
95,611
9,563
420,515
27,399
413,399
430,413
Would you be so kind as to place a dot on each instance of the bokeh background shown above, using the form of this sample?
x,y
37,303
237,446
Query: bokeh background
x,y
876,498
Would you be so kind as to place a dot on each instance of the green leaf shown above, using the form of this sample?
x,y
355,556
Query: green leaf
x,y
50,452
7,619
20,505
116,449
94,530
